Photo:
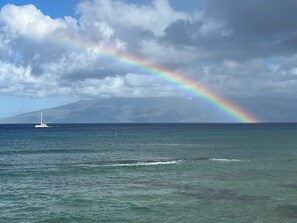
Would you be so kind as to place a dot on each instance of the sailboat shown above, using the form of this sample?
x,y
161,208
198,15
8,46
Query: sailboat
x,y
41,125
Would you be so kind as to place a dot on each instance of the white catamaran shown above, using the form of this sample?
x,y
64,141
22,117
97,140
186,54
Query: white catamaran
x,y
41,125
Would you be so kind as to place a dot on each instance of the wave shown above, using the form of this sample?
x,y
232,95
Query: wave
x,y
224,160
118,163
127,163
144,163
131,163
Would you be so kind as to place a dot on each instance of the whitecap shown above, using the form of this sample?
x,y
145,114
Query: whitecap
x,y
224,160
126,163
144,163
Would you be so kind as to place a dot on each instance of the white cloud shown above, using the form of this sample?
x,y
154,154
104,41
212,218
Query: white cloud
x,y
274,67
164,53
10,73
28,21
105,29
214,27
70,62
17,80
294,71
72,71
129,85
251,78
4,42
155,17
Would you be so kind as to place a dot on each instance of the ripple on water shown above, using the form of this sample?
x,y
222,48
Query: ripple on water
x,y
222,195
287,211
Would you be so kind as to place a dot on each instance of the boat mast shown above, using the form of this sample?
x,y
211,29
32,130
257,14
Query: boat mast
x,y
41,118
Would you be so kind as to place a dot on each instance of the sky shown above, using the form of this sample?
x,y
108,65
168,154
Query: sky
x,y
241,49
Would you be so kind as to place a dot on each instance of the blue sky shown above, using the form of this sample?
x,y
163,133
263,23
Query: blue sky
x,y
53,8
225,45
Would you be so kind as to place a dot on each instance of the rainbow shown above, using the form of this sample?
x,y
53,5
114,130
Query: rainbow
x,y
193,87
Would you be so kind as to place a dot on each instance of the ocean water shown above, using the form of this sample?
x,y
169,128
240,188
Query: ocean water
x,y
148,173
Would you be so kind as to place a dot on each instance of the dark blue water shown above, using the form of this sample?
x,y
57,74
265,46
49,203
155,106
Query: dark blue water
x,y
148,173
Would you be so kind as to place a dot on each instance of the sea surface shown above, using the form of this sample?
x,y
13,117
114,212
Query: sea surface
x,y
148,173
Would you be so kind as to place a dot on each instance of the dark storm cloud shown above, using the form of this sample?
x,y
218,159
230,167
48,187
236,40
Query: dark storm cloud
x,y
245,29
254,17
183,32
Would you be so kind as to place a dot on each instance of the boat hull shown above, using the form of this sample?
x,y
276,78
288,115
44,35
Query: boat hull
x,y
41,126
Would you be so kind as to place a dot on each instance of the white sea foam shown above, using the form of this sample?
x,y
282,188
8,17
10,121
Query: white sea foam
x,y
144,163
224,160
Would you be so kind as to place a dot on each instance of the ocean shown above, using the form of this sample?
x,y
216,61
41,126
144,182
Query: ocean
x,y
148,173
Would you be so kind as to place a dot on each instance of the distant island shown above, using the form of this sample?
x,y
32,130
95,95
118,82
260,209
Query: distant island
x,y
157,110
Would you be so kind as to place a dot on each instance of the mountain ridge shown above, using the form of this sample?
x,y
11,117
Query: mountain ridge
x,y
158,110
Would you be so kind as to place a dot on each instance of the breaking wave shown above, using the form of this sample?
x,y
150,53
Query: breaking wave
x,y
224,160
127,163
144,163
131,163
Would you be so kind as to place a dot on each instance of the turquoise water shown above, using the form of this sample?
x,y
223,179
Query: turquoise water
x,y
148,173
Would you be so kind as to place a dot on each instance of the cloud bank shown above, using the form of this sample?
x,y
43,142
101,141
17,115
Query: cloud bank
x,y
240,49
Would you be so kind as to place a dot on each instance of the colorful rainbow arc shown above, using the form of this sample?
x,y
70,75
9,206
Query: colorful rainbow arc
x,y
193,87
